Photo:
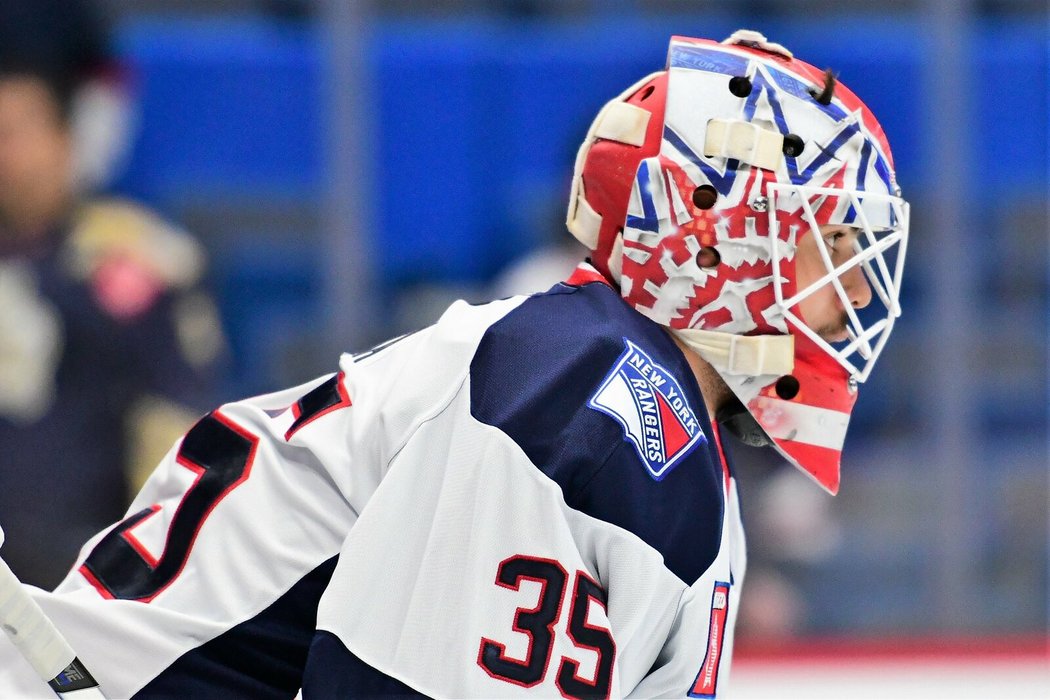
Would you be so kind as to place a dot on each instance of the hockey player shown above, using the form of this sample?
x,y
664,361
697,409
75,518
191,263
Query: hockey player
x,y
531,497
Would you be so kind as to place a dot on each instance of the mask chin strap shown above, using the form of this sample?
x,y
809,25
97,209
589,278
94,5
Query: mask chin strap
x,y
741,356
749,355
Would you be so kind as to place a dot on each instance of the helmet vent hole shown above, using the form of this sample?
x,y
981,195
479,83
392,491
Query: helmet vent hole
x,y
705,196
787,387
793,145
708,257
646,93
740,86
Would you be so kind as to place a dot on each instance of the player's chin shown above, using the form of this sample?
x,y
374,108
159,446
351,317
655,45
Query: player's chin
x,y
834,334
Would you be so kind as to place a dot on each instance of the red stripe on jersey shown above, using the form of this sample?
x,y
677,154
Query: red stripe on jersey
x,y
706,683
721,453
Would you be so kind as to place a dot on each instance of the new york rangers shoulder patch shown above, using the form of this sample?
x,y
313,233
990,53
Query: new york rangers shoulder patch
x,y
648,402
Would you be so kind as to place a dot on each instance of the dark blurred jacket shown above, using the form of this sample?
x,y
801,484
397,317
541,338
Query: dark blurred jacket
x,y
107,344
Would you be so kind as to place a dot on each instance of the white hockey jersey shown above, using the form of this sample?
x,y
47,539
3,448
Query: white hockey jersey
x,y
527,498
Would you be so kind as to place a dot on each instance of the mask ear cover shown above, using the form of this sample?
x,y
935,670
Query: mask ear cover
x,y
734,417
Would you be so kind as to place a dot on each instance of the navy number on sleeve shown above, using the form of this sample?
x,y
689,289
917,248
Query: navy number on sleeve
x,y
587,636
326,397
221,453
538,623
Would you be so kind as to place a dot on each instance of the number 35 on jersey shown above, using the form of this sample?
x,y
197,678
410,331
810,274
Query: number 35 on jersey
x,y
554,611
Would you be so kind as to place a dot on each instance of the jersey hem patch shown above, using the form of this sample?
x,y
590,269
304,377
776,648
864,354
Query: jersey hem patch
x,y
650,405
706,683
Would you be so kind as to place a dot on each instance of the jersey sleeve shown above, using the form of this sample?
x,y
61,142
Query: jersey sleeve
x,y
209,586
212,578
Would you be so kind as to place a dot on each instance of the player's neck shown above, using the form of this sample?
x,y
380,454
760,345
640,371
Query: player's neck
x,y
713,388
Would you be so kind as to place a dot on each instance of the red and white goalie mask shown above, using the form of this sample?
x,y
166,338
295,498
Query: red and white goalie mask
x,y
747,202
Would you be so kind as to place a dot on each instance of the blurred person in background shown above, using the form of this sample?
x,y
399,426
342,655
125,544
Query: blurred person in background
x,y
106,339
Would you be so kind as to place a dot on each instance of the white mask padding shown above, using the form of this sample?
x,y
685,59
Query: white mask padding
x,y
580,219
584,223
871,248
742,355
749,37
744,141
624,123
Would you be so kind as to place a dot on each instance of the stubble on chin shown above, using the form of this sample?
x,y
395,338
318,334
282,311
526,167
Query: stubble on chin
x,y
836,331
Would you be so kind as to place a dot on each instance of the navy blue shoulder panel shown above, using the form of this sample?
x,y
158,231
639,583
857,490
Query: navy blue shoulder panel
x,y
555,375
260,658
333,671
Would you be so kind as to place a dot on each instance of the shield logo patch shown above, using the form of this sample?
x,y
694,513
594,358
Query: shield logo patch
x,y
650,406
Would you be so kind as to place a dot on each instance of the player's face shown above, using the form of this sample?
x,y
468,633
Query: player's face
x,y
823,310
35,155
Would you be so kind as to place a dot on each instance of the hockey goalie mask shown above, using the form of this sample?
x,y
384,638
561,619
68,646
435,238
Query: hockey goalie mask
x,y
733,194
